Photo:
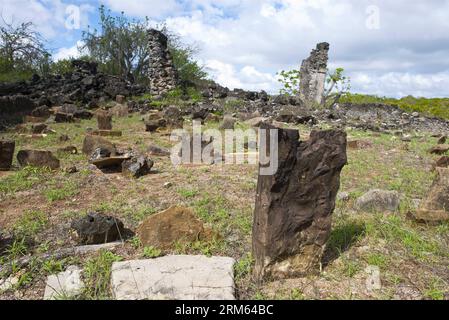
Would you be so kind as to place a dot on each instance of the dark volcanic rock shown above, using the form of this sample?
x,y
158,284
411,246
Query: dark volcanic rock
x,y
97,229
292,217
104,119
158,151
6,154
93,142
153,125
38,128
137,166
38,158
435,208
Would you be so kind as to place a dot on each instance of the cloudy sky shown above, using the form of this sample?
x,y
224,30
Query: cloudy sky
x,y
391,48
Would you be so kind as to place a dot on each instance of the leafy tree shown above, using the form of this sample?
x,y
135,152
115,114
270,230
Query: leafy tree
x,y
121,48
290,81
338,84
22,51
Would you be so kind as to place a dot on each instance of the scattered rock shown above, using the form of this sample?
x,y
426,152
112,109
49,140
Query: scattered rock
x,y
442,140
343,196
293,212
111,163
378,200
104,119
373,282
163,229
137,166
228,123
38,158
442,162
168,185
71,170
6,154
158,151
256,122
120,99
435,208
64,285
97,229
93,142
61,117
153,125
8,283
64,138
38,128
174,278
440,149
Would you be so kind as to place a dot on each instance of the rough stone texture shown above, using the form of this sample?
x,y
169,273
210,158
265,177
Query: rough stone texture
x,y
442,162
435,208
64,285
153,125
97,229
13,109
162,73
158,151
6,154
137,166
313,74
93,142
38,128
228,123
163,229
379,201
38,158
292,217
174,278
113,163
439,149
104,119
442,140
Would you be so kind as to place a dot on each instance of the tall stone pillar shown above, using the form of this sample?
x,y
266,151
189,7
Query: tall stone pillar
x,y
162,73
313,74
293,211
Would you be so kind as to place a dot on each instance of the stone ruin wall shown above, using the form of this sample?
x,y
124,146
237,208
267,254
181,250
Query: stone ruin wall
x,y
162,73
313,74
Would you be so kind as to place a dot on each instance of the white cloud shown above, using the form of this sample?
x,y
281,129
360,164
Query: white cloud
x,y
245,42
71,52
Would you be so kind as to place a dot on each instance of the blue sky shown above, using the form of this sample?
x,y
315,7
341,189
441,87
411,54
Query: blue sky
x,y
392,48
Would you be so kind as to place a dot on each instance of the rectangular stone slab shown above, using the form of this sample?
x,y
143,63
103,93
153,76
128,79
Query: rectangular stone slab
x,y
107,133
174,278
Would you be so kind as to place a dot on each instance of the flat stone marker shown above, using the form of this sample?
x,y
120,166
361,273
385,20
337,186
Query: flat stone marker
x,y
64,284
174,278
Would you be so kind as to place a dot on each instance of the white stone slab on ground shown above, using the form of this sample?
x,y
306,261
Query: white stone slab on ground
x,y
64,284
174,278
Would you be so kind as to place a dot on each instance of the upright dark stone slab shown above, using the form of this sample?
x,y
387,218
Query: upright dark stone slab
x,y
104,119
6,154
293,213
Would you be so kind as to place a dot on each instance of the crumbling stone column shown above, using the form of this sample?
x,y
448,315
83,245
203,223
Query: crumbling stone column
x,y
6,154
292,217
163,75
313,74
